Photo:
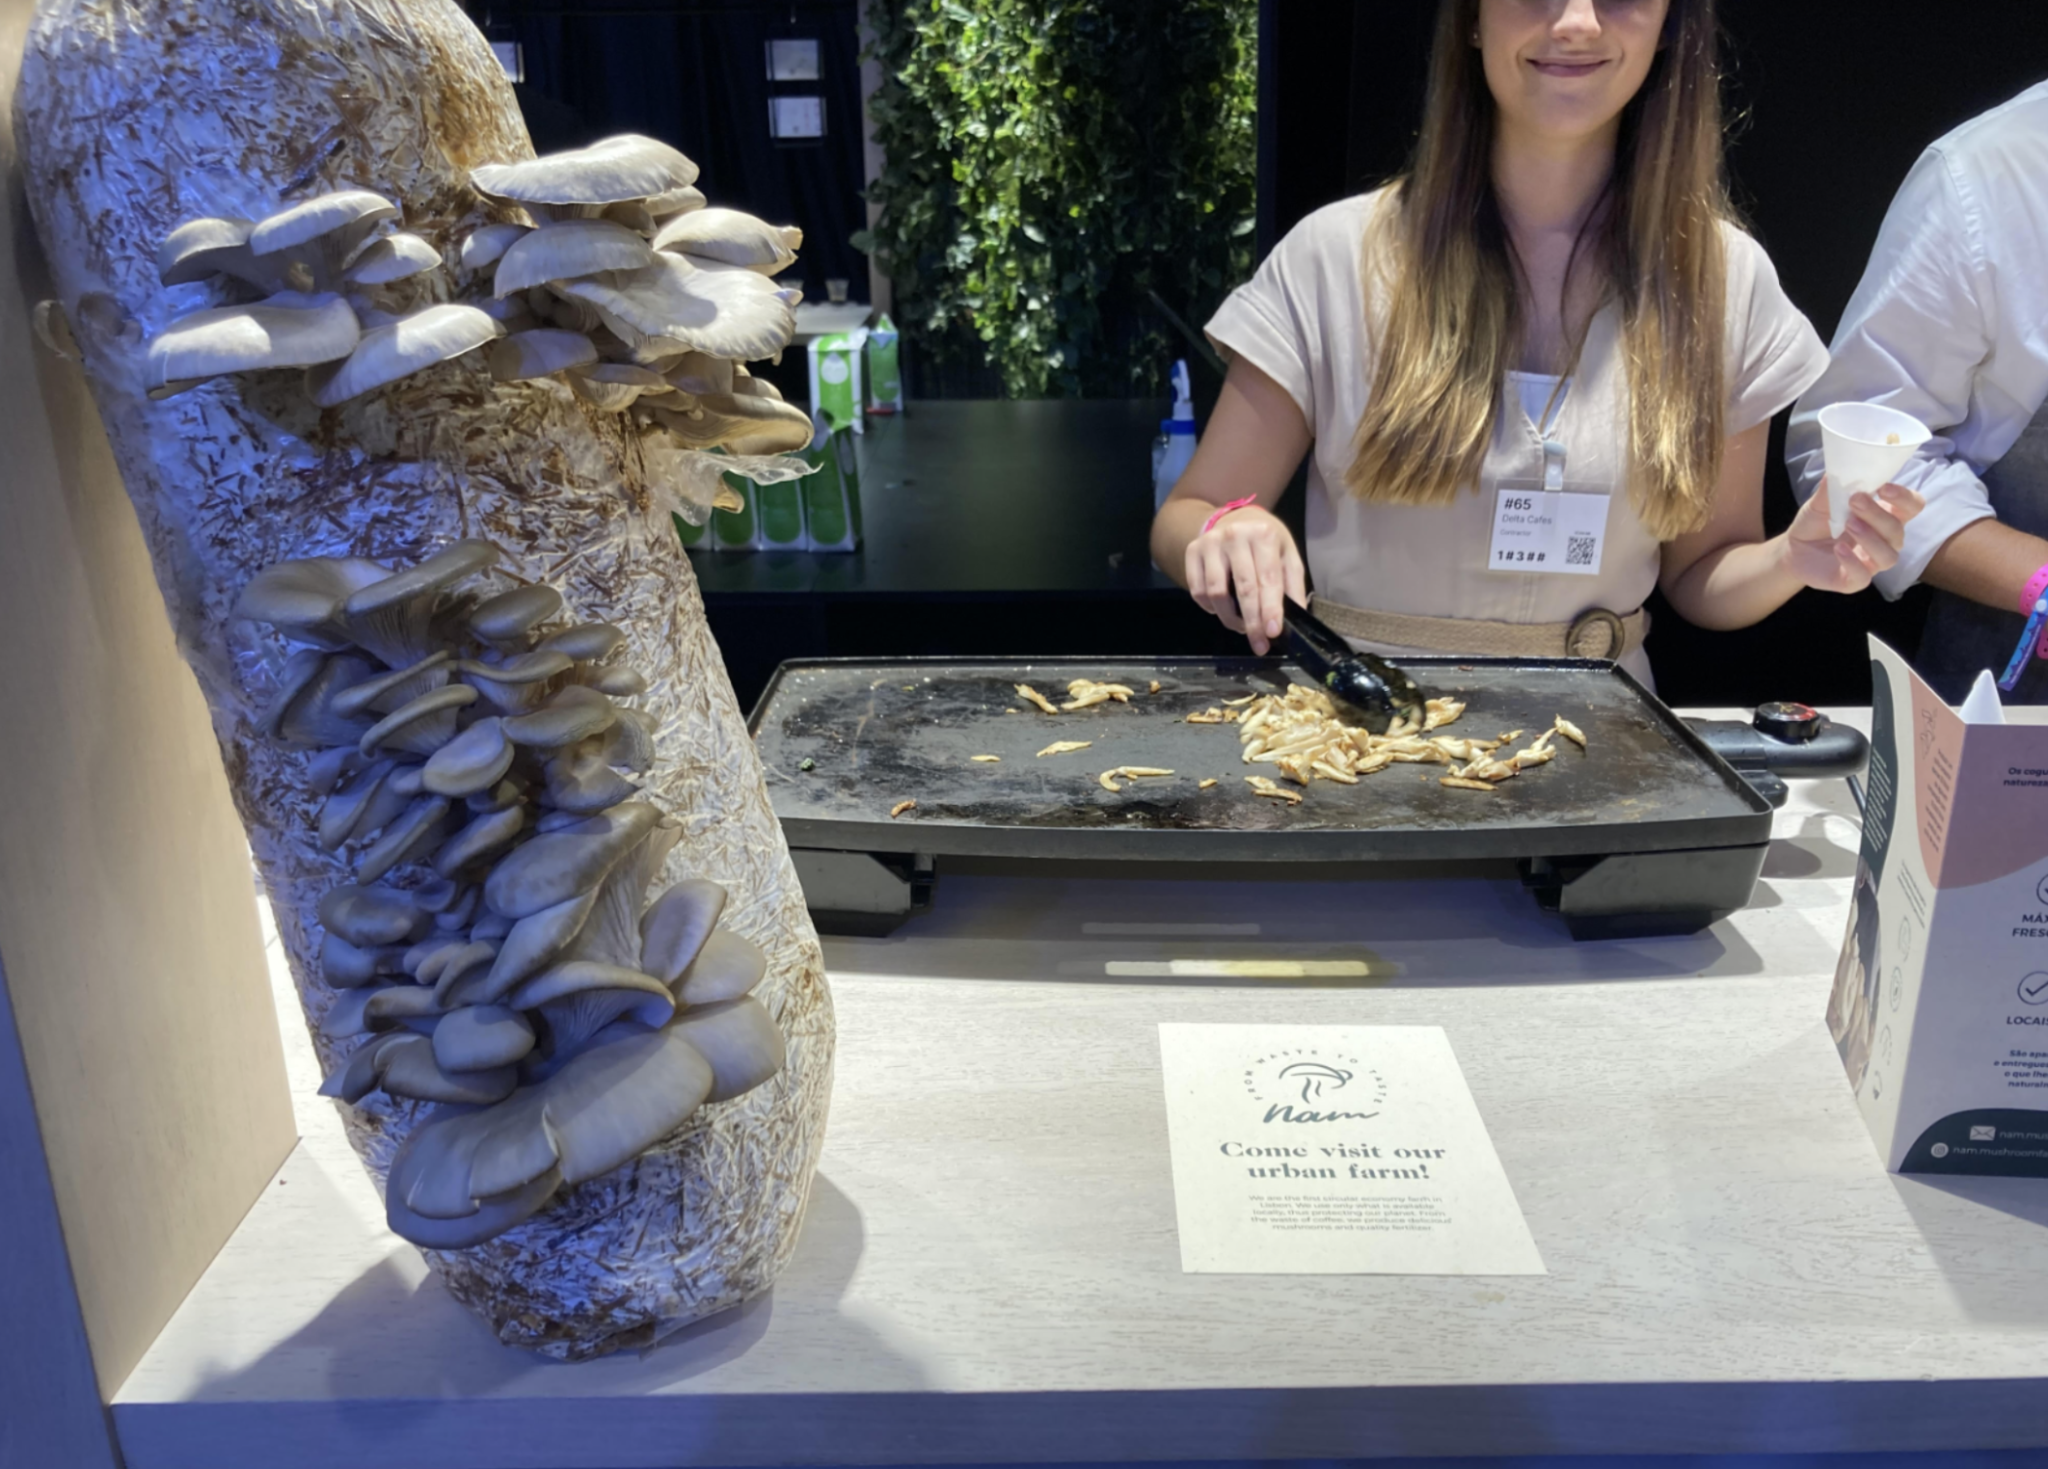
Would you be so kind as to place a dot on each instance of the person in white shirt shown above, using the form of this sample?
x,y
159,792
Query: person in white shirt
x,y
1950,324
1536,373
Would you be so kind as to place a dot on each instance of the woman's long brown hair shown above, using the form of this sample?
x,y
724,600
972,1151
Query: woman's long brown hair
x,y
1454,319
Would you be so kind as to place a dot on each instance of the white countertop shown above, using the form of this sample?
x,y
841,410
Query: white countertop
x,y
989,1270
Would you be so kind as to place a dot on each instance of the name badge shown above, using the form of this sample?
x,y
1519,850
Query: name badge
x,y
1550,530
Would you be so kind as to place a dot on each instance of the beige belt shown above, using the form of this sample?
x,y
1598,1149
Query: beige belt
x,y
1594,633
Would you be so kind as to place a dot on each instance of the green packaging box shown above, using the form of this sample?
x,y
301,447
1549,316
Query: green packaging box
x,y
831,496
885,377
835,363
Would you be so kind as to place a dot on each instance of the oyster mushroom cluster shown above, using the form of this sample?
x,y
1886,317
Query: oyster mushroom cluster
x,y
496,953
607,272
318,283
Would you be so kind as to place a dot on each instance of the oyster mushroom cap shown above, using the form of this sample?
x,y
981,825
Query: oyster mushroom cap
x,y
582,997
420,726
587,641
487,244
731,237
288,329
619,683
628,166
743,423
579,780
351,212
200,248
370,916
304,599
519,683
726,311
509,616
395,257
738,1038
348,809
676,925
407,1068
392,616
356,1077
344,965
479,1037
480,840
388,691
539,353
534,942
444,969
561,864
299,670
491,1217
570,248
399,349
726,968
665,207
310,717
475,760
629,744
575,713
700,372
410,836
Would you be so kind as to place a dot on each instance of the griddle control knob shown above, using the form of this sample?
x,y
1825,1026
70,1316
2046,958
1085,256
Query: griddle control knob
x,y
1793,723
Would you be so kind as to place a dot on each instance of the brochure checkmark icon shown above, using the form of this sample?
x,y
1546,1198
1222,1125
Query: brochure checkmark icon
x,y
2034,989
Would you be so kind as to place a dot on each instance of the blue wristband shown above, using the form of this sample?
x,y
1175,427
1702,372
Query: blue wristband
x,y
2029,639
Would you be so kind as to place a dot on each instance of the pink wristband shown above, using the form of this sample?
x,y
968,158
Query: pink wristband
x,y
1210,524
2036,584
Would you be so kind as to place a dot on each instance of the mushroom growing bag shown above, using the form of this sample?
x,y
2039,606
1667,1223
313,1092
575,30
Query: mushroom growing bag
x,y
233,111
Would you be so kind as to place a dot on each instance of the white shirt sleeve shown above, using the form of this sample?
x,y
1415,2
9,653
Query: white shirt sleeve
x,y
1913,337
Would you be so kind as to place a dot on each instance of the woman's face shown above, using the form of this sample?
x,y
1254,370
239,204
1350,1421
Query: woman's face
x,y
1563,70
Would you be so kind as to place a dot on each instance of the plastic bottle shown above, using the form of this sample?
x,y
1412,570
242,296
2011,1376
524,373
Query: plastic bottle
x,y
1175,445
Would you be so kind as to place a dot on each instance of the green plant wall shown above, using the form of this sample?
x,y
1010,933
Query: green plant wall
x,y
1052,166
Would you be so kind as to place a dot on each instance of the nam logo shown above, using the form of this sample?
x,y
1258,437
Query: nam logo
x,y
1305,1084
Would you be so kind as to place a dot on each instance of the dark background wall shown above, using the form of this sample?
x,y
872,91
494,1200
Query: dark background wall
x,y
1832,102
695,75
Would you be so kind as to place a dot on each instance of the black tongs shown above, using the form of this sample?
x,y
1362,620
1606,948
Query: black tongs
x,y
1372,692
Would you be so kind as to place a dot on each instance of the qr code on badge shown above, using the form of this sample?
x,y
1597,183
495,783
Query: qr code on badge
x,y
1579,550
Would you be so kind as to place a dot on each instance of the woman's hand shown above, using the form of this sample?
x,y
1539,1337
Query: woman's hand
x,y
1869,544
1244,571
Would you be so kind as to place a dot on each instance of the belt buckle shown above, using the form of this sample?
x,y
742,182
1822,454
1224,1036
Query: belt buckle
x,y
1583,628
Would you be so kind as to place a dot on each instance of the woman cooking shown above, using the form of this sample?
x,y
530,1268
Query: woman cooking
x,y
1537,371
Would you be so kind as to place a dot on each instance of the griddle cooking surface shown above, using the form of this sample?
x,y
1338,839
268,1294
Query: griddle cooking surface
x,y
880,733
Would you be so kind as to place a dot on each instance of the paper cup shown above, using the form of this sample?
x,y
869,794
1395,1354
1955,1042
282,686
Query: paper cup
x,y
1862,446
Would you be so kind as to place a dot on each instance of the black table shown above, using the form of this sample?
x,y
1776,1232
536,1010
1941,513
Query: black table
x,y
992,528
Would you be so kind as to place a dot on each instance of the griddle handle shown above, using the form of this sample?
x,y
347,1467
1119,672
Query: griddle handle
x,y
1834,751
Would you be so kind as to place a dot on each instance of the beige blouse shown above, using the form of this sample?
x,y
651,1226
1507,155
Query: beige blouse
x,y
1302,319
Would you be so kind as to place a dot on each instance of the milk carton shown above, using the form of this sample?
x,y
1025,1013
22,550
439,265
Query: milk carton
x,y
835,362
1940,1001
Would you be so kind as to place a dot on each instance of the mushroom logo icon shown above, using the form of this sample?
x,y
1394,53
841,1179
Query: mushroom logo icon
x,y
1314,1077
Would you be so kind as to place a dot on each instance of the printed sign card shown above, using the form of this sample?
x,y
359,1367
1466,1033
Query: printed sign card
x,y
1334,1150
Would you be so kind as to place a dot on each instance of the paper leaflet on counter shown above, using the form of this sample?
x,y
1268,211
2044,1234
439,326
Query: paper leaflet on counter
x,y
1940,1001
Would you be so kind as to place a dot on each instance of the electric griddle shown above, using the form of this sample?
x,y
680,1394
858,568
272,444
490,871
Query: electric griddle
x,y
1649,831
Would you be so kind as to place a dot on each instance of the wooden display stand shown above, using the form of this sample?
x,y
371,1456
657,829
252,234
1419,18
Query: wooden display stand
x,y
142,1095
